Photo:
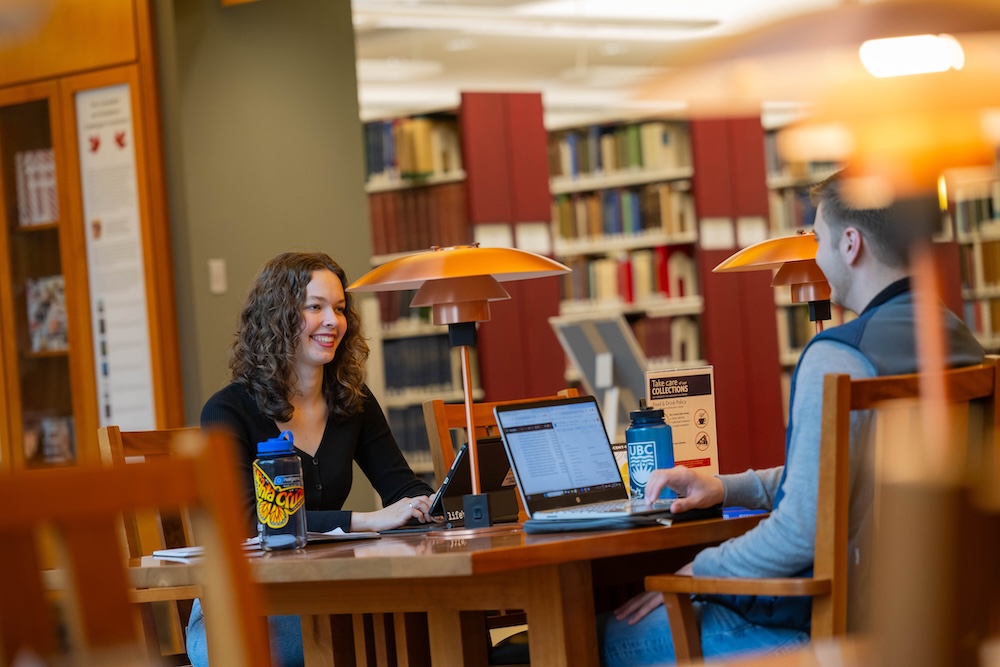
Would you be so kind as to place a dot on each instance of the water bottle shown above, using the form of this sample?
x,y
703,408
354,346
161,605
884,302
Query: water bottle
x,y
650,442
277,482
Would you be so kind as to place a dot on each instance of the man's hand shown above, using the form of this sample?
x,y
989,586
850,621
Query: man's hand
x,y
638,607
698,489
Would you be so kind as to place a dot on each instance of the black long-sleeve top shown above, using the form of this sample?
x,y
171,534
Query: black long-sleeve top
x,y
364,437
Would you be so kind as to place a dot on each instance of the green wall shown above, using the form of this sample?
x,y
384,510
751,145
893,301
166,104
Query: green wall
x,y
264,154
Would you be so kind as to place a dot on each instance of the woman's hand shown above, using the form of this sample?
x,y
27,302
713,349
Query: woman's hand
x,y
698,489
393,516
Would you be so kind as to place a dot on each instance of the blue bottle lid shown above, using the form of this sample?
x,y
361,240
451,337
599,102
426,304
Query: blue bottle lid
x,y
645,412
280,445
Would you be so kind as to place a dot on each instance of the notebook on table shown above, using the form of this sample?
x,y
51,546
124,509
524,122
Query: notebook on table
x,y
563,462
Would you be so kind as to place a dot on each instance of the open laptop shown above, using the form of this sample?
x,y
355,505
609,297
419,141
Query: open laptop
x,y
563,463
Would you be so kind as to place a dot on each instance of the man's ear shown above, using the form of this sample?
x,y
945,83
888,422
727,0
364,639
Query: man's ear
x,y
851,242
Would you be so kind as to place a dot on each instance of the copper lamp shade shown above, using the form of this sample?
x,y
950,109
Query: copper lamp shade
x,y
458,283
794,257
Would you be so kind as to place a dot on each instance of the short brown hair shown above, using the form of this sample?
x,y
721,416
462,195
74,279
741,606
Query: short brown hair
x,y
878,227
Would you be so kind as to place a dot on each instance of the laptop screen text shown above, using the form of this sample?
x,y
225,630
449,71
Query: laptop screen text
x,y
560,449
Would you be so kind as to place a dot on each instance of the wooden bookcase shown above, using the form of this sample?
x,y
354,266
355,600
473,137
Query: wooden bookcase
x,y
718,178
481,166
50,349
738,320
624,221
975,211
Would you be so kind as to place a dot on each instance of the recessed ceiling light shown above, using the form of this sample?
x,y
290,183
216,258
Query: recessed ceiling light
x,y
397,69
460,44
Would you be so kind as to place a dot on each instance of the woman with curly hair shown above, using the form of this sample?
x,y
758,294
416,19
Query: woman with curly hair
x,y
298,365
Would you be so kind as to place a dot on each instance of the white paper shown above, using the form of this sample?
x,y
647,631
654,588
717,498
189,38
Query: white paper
x,y
115,266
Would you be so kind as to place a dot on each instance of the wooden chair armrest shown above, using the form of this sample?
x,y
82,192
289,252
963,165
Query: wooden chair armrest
x,y
673,583
169,593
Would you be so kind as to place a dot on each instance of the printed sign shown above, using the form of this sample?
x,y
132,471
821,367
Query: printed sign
x,y
687,399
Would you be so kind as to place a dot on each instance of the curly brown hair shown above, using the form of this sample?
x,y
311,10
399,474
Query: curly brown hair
x,y
262,355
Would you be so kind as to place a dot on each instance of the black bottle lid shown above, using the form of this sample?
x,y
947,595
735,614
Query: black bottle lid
x,y
645,412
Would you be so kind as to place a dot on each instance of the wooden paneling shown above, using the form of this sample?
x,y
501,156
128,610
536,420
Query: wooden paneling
x,y
504,153
484,154
74,36
738,322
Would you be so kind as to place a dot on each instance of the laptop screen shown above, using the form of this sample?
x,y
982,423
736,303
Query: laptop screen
x,y
560,453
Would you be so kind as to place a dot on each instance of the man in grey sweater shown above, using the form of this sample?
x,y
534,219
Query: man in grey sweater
x,y
867,267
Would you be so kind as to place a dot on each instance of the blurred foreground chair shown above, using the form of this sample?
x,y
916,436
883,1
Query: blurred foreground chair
x,y
971,394
164,611
82,508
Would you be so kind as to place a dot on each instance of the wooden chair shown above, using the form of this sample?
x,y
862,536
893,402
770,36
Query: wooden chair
x,y
81,508
442,418
164,612
975,385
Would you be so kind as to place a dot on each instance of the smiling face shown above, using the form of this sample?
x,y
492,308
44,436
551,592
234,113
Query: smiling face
x,y
324,320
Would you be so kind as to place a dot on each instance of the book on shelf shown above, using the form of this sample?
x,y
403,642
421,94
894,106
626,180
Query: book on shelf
x,y
50,440
681,274
417,362
975,213
411,148
35,182
624,211
606,149
409,429
415,219
47,319
790,210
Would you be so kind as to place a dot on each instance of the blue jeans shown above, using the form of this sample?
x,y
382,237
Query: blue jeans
x,y
285,633
723,632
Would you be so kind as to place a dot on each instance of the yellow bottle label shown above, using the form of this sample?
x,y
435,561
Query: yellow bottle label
x,y
276,502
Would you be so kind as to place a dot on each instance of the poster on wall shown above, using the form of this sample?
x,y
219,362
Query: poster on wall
x,y
118,308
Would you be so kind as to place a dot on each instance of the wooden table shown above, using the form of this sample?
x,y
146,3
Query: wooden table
x,y
448,574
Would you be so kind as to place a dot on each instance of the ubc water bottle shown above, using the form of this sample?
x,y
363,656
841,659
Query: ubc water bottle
x,y
650,444
277,482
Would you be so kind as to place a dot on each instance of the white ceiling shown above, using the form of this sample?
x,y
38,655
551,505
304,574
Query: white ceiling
x,y
587,57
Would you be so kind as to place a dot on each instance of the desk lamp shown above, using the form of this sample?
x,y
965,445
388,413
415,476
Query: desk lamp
x,y
458,283
794,257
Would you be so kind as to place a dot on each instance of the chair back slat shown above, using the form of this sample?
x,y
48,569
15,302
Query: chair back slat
x,y
971,395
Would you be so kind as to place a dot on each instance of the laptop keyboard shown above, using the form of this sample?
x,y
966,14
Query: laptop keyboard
x,y
607,506
624,506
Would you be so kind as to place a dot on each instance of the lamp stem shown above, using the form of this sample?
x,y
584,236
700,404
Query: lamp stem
x,y
469,422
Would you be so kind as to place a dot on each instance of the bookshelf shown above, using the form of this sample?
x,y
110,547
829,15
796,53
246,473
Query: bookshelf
x,y
975,211
416,195
788,189
623,219
483,167
86,281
